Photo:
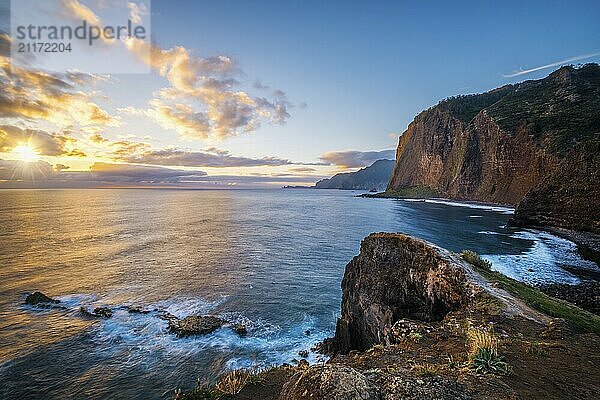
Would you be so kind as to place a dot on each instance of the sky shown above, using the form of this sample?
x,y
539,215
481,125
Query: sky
x,y
268,93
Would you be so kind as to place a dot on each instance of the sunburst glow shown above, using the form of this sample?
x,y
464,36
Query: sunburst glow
x,y
26,153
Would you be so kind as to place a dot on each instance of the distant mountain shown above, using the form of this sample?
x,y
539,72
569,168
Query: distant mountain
x,y
376,176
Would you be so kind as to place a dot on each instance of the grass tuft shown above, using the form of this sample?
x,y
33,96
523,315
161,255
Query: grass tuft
x,y
233,382
485,361
475,259
483,352
425,369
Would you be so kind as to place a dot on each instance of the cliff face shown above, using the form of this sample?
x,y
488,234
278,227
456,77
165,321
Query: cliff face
x,y
376,176
570,196
497,146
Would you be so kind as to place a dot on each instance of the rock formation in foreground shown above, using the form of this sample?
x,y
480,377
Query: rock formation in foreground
x,y
419,322
376,176
397,277
497,146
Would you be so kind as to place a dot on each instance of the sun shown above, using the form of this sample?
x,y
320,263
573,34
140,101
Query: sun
x,y
26,153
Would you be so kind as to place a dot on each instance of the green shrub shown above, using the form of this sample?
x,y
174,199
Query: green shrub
x,y
487,361
475,259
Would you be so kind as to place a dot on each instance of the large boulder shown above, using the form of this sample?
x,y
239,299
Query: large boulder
x,y
394,277
195,325
329,382
39,298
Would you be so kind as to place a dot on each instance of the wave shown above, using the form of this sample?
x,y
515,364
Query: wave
x,y
544,261
146,342
478,206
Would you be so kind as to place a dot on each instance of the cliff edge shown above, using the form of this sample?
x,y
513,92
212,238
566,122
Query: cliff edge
x,y
497,146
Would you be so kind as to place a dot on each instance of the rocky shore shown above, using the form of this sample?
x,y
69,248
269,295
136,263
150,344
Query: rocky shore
x,y
585,295
190,325
419,322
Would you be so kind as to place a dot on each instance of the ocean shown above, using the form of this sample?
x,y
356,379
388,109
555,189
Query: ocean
x,y
270,259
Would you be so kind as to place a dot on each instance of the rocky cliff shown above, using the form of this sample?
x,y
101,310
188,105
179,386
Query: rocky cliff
x,y
568,197
397,277
376,176
497,146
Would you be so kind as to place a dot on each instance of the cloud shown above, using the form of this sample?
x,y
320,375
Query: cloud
x,y
41,174
554,64
74,9
259,85
126,151
136,12
61,167
44,143
302,169
204,100
57,98
107,172
143,153
98,138
182,118
21,171
174,157
355,159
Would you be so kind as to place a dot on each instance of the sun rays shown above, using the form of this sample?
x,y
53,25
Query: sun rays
x,y
25,153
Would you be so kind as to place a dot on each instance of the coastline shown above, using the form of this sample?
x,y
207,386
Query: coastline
x,y
420,338
588,243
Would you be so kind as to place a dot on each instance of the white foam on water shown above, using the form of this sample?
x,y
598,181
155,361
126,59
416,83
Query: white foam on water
x,y
542,262
477,206
143,338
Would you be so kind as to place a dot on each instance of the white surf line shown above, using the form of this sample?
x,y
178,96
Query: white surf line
x,y
479,206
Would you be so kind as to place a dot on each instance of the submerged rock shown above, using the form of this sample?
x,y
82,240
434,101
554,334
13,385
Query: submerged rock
x,y
36,298
99,312
195,325
303,353
329,382
240,329
167,316
137,310
103,312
